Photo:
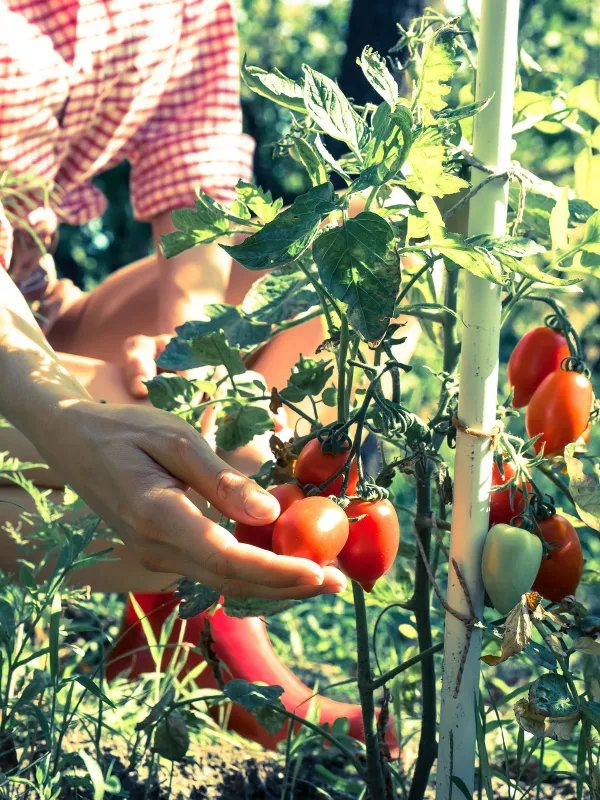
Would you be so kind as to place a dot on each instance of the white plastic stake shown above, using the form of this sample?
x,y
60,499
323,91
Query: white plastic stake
x,y
477,398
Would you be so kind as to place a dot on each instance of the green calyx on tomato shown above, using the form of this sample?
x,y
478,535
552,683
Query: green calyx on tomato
x,y
510,563
539,353
315,528
373,541
505,504
559,411
262,535
561,568
315,467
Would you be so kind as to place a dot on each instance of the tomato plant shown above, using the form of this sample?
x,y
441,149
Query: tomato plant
x,y
562,567
315,528
262,535
540,352
315,467
373,541
559,410
511,560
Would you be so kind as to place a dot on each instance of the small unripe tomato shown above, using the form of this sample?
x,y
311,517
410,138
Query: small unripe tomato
x,y
501,508
559,410
511,560
315,467
315,528
373,541
540,352
262,535
560,571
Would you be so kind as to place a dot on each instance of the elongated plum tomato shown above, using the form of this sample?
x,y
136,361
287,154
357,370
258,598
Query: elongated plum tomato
x,y
315,467
540,352
373,541
510,563
262,535
315,528
501,508
560,410
561,570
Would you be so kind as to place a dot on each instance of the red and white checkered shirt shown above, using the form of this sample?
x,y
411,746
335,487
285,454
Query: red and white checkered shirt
x,y
86,84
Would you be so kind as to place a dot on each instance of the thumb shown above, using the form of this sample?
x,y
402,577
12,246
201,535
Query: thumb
x,y
140,352
188,457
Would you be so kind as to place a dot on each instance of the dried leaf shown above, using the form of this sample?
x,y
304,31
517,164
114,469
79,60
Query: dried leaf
x,y
587,645
557,728
517,629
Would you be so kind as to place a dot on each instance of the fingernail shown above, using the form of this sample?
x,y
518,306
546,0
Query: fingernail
x,y
335,588
261,505
312,579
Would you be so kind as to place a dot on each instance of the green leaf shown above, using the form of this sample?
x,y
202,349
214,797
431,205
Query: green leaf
x,y
289,234
426,159
549,696
540,200
173,392
331,162
195,598
585,490
436,70
251,695
7,623
311,161
377,73
212,350
274,86
331,110
358,267
238,424
426,214
586,98
38,682
464,112
171,739
460,784
591,237
308,378
530,270
559,222
477,260
270,718
259,201
517,247
280,296
94,689
389,147
256,606
195,226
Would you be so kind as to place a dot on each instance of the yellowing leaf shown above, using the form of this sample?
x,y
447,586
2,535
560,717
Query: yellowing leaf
x,y
436,69
587,645
518,630
559,728
586,98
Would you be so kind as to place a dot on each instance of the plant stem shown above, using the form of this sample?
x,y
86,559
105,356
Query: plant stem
x,y
421,608
375,781
342,359
411,662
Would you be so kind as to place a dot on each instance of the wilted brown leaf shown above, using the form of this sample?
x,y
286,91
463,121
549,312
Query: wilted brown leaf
x,y
518,628
557,728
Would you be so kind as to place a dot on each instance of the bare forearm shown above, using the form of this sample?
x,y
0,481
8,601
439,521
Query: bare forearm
x,y
34,386
190,280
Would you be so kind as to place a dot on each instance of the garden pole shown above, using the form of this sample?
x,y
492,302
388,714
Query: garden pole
x,y
477,399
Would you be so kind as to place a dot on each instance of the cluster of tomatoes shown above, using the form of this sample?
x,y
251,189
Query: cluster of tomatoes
x,y
559,402
364,537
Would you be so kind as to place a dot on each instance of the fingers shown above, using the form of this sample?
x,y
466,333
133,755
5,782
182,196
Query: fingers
x,y
187,456
140,366
182,541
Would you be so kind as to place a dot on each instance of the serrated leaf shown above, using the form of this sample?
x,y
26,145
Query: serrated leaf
x,y
280,296
313,164
330,160
238,424
172,392
204,223
584,489
171,739
213,350
530,270
258,201
308,378
377,73
195,598
289,234
558,729
238,327
516,247
436,69
256,606
251,695
549,696
389,147
270,717
331,110
427,159
275,86
357,266
464,112
586,98
540,200
477,260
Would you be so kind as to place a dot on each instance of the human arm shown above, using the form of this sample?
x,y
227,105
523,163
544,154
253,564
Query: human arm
x,y
133,464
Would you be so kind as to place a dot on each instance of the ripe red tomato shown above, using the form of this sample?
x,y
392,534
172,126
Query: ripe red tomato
x,y
314,466
501,509
560,572
372,541
560,410
262,535
315,528
540,352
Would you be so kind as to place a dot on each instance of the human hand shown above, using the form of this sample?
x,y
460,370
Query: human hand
x,y
140,354
133,465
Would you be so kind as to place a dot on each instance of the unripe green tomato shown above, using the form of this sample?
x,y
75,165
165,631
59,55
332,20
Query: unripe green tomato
x,y
510,563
